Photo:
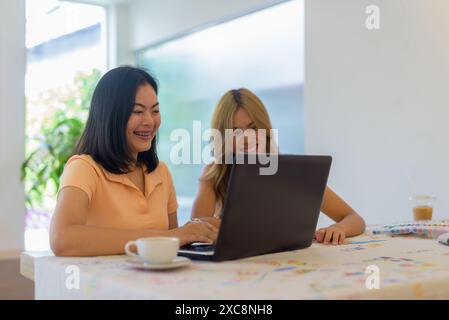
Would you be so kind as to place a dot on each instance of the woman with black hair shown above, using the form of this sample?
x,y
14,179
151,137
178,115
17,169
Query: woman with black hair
x,y
114,189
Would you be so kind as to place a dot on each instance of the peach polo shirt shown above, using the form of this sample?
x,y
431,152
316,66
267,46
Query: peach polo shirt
x,y
115,201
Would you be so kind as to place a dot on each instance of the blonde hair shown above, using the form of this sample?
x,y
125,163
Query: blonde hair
x,y
222,119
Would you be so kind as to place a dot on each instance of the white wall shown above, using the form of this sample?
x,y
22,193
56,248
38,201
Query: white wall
x,y
375,100
153,21
137,24
378,101
12,124
118,35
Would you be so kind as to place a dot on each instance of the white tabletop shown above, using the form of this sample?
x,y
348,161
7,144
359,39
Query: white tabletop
x,y
409,268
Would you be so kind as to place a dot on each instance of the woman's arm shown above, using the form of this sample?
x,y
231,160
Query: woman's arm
x,y
348,222
172,220
205,202
70,236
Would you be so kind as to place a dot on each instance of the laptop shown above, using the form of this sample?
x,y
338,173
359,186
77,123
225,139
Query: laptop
x,y
268,213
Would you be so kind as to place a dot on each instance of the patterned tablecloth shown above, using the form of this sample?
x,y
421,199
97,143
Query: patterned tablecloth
x,y
408,267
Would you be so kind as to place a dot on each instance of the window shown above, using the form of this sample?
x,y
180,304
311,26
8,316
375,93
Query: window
x,y
262,51
66,53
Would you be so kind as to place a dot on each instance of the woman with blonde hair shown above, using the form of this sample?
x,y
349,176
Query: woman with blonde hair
x,y
242,111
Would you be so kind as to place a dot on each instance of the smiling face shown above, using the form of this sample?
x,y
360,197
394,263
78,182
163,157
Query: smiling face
x,y
144,121
243,123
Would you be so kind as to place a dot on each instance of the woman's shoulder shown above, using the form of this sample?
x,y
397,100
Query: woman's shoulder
x,y
162,169
205,176
206,169
83,162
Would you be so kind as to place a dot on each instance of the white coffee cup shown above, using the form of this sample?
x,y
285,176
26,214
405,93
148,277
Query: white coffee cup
x,y
155,250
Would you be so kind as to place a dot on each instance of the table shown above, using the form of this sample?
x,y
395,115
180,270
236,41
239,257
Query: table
x,y
409,268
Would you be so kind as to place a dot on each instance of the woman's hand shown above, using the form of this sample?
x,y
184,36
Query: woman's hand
x,y
212,220
333,234
196,231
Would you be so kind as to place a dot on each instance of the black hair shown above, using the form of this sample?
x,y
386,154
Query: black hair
x,y
104,137
237,97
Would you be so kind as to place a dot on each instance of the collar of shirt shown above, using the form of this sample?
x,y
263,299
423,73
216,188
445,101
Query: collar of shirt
x,y
152,180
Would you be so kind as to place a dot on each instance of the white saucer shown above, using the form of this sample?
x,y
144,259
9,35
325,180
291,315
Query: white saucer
x,y
142,264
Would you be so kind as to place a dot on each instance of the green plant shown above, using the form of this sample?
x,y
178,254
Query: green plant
x,y
57,134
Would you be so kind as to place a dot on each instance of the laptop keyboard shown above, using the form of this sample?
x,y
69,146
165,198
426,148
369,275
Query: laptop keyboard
x,y
202,248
